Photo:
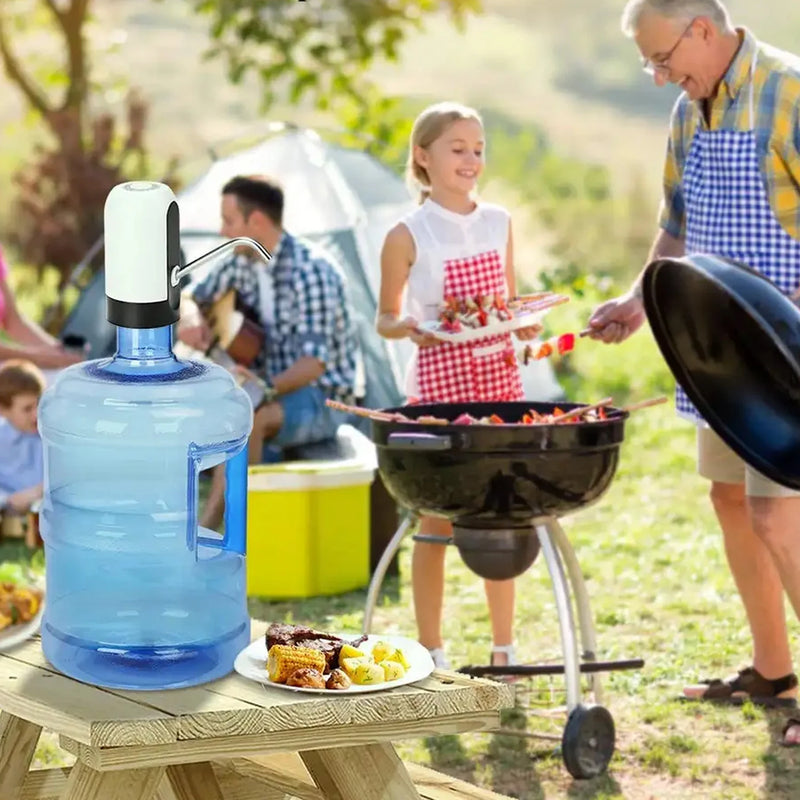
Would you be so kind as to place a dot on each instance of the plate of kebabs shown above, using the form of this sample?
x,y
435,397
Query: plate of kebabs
x,y
472,318
302,659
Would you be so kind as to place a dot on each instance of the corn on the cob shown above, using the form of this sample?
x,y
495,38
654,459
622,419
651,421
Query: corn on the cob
x,y
284,659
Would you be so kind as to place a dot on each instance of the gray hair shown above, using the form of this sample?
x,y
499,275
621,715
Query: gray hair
x,y
681,10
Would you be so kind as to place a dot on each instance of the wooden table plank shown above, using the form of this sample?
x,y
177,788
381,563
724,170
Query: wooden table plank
x,y
77,710
194,782
443,693
18,740
50,784
186,752
346,773
284,771
134,784
233,706
202,712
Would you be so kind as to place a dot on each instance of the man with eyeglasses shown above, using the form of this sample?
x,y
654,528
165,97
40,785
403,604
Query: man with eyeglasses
x,y
732,189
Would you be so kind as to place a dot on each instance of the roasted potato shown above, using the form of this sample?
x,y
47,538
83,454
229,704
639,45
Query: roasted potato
x,y
348,651
368,672
392,670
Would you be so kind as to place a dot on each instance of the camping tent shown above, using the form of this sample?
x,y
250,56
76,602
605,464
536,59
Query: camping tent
x,y
341,198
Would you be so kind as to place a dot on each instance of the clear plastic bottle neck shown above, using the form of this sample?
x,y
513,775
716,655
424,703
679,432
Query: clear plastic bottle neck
x,y
145,345
146,354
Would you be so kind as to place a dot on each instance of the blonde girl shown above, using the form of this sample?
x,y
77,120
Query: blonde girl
x,y
452,245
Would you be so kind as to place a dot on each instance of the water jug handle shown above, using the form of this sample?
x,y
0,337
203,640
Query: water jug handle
x,y
202,457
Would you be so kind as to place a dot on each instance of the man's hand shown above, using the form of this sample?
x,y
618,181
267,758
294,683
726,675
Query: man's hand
x,y
22,501
193,330
615,320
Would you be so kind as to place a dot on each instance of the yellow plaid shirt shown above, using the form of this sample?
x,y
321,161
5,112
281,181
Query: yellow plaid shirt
x,y
776,122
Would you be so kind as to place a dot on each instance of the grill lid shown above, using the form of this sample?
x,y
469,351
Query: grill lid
x,y
732,339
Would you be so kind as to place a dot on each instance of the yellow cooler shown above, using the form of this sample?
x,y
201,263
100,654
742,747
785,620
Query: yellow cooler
x,y
308,527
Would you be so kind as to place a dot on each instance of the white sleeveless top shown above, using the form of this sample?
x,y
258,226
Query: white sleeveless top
x,y
439,235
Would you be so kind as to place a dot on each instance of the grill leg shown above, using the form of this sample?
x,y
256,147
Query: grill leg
x,y
585,620
380,570
566,624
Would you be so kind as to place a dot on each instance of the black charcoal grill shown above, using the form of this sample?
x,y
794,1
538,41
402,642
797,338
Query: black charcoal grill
x,y
504,487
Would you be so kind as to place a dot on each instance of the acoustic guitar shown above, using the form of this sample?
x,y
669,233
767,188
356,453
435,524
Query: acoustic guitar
x,y
236,340
240,337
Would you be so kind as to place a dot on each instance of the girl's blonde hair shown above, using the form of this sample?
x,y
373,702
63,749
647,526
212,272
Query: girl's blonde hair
x,y
428,127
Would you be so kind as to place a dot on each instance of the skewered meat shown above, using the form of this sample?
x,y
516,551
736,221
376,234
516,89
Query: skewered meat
x,y
299,636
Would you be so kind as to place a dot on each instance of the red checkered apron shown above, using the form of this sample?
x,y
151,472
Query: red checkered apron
x,y
474,371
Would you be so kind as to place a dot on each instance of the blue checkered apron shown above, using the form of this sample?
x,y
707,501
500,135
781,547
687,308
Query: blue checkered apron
x,y
728,213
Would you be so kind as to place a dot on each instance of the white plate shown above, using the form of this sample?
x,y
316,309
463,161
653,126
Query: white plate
x,y
17,634
252,663
474,334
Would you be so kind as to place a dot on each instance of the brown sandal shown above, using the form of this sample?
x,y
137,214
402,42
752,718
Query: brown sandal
x,y
750,684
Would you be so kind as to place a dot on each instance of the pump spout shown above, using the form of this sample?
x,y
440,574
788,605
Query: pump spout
x,y
178,272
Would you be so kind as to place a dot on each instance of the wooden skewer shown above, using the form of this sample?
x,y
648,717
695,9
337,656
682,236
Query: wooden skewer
x,y
382,416
541,305
585,332
369,413
581,410
653,401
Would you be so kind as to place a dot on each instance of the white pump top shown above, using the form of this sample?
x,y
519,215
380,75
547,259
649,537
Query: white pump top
x,y
135,220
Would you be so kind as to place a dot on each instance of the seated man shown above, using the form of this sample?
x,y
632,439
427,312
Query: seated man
x,y
21,460
300,300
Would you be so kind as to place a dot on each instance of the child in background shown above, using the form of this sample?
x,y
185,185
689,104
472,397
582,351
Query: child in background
x,y
21,463
451,246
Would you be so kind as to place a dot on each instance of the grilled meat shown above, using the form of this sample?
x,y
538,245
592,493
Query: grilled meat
x,y
299,636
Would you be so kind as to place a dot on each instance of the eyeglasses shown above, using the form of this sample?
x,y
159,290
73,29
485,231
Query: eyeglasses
x,y
662,65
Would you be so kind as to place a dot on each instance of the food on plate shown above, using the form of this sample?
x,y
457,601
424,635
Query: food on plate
x,y
19,602
299,636
306,658
350,665
457,313
384,651
392,670
338,679
368,672
284,659
307,677
348,651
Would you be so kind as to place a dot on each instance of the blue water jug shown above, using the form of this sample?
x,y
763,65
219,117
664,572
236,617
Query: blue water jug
x,y
138,596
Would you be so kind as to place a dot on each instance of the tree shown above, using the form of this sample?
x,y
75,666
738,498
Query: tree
x,y
320,48
61,192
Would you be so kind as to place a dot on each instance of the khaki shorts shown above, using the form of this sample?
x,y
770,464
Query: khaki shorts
x,y
717,462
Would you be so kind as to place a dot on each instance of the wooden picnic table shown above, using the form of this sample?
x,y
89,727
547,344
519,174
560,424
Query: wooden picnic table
x,y
232,739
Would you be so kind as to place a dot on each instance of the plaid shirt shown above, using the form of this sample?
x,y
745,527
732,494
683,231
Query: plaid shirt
x,y
312,312
776,123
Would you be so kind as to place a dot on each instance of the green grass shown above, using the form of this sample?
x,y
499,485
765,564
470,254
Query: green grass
x,y
660,590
